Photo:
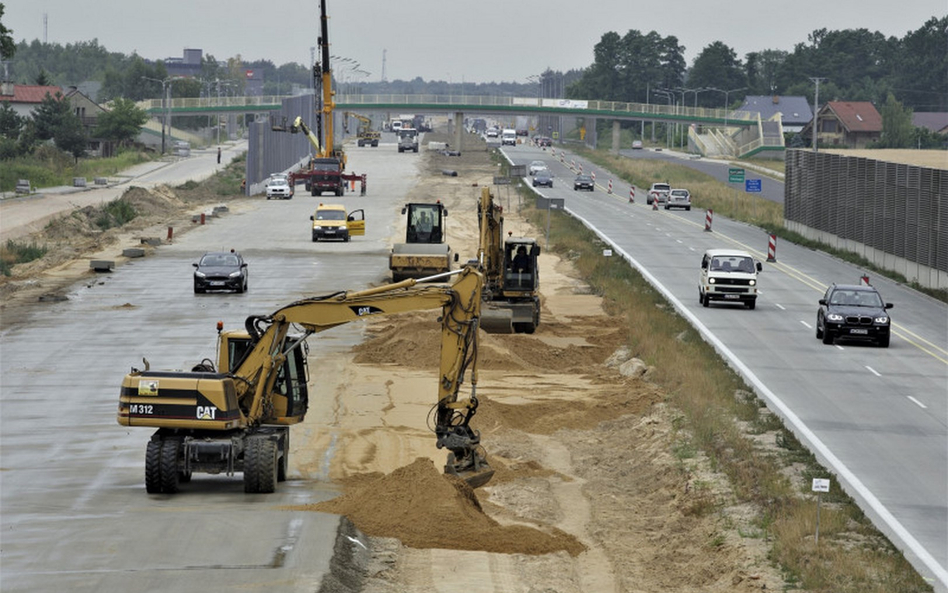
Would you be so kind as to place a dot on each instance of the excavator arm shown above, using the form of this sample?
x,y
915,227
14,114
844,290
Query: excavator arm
x,y
299,125
460,304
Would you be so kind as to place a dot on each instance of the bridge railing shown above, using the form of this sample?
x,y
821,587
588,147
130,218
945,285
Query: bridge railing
x,y
469,102
554,105
264,101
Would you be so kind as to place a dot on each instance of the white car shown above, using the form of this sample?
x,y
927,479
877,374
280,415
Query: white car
x,y
278,186
678,198
536,166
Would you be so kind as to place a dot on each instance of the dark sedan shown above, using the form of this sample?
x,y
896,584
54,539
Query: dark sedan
x,y
584,182
543,177
221,270
853,312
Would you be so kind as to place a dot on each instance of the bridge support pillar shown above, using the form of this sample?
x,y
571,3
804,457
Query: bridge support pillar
x,y
458,128
615,136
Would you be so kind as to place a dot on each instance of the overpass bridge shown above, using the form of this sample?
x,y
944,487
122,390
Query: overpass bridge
x,y
749,133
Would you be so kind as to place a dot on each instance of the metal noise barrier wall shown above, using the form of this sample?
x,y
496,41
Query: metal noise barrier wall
x,y
895,215
276,152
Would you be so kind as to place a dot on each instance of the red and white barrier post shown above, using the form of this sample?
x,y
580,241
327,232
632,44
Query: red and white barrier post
x,y
631,195
864,279
610,186
772,248
707,220
654,202
593,175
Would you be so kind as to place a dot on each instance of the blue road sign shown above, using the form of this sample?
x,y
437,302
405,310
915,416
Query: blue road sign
x,y
752,185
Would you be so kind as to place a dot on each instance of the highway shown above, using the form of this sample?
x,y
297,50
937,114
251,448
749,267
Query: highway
x,y
76,516
877,418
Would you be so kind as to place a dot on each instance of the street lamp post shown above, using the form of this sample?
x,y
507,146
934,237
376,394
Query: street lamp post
x,y
166,107
726,95
667,95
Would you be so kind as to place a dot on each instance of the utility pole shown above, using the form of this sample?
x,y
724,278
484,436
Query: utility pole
x,y
816,107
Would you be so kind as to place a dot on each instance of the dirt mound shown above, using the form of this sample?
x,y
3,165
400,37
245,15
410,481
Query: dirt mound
x,y
425,509
413,341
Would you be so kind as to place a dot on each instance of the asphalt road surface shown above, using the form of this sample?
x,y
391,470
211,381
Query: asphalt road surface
x,y
76,516
877,417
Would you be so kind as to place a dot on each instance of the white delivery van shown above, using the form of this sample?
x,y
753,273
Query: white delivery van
x,y
728,275
508,137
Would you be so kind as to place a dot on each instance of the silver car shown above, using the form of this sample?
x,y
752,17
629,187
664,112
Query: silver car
x,y
278,186
678,198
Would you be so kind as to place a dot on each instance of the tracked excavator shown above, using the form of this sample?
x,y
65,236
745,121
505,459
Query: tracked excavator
x,y
326,169
511,275
234,415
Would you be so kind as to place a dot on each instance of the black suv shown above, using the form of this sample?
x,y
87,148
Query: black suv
x,y
855,312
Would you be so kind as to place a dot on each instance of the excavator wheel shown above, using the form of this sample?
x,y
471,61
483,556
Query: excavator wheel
x,y
260,466
169,465
153,467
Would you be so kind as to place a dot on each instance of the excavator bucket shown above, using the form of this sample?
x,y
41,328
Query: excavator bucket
x,y
496,320
475,477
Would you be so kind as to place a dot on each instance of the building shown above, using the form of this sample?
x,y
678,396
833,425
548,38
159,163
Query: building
x,y
88,112
936,122
189,65
24,98
795,112
846,124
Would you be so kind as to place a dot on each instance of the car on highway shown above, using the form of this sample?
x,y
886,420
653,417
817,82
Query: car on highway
x,y
658,192
221,270
536,166
584,182
331,221
678,198
637,145
853,312
543,177
543,141
728,275
278,186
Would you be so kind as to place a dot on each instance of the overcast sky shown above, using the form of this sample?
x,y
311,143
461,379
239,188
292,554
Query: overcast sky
x,y
452,40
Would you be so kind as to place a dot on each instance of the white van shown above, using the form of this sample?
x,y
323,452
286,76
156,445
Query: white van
x,y
508,137
728,275
397,126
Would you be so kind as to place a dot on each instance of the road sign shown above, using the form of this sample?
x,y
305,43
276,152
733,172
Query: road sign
x,y
752,185
821,485
501,180
735,175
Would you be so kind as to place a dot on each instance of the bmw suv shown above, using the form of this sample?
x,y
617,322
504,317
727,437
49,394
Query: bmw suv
x,y
854,312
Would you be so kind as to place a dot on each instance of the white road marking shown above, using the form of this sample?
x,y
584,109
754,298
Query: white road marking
x,y
873,371
782,308
808,326
916,402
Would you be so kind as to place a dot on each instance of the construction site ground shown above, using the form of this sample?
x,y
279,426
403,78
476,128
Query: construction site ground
x,y
588,495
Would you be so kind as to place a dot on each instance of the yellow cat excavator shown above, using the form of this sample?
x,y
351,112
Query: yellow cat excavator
x,y
234,416
511,274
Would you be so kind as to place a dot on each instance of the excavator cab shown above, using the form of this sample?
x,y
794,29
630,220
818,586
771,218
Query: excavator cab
x,y
425,222
520,265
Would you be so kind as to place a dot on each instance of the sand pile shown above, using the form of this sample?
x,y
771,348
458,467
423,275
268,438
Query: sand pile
x,y
425,509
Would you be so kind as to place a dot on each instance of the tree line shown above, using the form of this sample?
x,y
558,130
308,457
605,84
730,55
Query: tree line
x,y
856,65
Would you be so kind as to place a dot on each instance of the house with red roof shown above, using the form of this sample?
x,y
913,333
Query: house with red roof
x,y
24,98
846,124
